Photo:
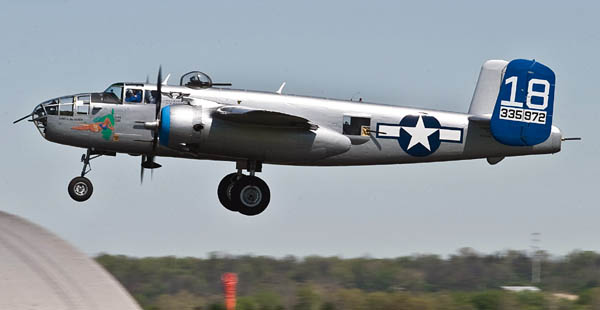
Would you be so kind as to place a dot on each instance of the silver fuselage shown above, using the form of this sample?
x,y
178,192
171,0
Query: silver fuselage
x,y
460,137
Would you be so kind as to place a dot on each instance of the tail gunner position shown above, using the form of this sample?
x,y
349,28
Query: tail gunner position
x,y
510,115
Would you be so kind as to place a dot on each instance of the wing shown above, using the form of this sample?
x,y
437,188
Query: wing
x,y
244,115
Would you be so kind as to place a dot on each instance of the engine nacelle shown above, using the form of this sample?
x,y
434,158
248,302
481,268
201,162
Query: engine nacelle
x,y
271,145
180,125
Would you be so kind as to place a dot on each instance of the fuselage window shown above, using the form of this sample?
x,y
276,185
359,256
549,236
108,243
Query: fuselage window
x,y
65,106
83,104
52,107
356,126
133,95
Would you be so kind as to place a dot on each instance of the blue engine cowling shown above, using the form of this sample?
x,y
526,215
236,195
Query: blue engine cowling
x,y
180,125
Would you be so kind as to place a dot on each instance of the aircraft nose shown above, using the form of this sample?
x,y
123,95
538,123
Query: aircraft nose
x,y
39,111
39,117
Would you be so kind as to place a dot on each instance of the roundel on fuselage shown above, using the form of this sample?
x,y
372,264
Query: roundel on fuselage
x,y
419,135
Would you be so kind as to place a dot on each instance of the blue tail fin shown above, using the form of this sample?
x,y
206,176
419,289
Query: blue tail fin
x,y
525,104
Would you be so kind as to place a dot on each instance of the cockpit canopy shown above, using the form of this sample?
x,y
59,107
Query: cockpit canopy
x,y
131,93
115,91
196,79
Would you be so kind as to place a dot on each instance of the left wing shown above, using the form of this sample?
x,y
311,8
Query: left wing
x,y
245,115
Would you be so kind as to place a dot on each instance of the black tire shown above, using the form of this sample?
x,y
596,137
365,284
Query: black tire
x,y
224,191
250,195
80,189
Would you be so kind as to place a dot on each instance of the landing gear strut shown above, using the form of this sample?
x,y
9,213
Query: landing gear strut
x,y
81,188
246,194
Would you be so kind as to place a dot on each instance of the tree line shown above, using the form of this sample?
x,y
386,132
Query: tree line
x,y
465,280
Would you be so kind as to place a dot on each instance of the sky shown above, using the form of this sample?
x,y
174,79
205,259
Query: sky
x,y
416,53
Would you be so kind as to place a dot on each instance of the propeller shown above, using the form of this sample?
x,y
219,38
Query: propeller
x,y
142,169
148,159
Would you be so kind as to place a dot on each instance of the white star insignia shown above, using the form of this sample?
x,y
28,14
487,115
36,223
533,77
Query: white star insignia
x,y
419,134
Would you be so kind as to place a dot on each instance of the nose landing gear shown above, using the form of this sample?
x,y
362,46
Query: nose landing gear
x,y
81,188
246,194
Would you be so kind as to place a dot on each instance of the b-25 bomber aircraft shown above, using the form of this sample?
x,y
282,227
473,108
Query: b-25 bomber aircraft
x,y
510,114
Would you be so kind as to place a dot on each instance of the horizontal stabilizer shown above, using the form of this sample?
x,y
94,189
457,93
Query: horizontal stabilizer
x,y
480,120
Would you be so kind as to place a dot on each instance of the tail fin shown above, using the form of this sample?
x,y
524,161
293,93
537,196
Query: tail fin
x,y
488,86
523,111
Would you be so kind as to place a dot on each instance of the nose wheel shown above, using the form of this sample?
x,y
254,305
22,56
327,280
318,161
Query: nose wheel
x,y
80,189
246,194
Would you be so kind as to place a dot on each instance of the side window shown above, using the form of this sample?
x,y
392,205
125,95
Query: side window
x,y
83,105
356,126
133,95
65,106
150,96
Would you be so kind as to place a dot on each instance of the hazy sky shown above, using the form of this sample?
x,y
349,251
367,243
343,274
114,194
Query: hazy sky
x,y
419,53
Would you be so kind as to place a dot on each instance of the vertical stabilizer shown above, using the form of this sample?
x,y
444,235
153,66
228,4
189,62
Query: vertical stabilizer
x,y
488,86
523,112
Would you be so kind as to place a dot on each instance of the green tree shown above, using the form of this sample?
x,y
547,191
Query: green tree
x,y
307,299
183,300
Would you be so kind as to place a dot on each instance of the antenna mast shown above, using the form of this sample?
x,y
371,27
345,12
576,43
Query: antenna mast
x,y
536,259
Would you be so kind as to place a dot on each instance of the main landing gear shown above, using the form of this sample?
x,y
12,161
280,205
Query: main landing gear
x,y
246,194
80,188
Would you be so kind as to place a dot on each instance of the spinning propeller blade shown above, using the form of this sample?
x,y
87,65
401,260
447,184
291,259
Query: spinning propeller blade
x,y
142,170
148,160
157,114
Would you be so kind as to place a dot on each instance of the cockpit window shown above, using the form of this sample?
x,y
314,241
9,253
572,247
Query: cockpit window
x,y
116,89
133,95
105,98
